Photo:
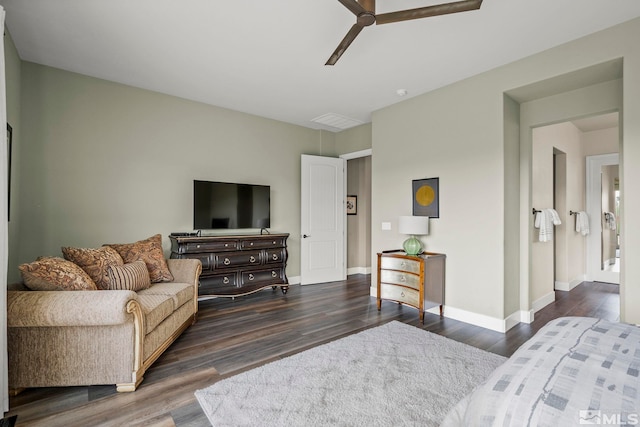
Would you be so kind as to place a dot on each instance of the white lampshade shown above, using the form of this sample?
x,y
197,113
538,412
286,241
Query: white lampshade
x,y
413,225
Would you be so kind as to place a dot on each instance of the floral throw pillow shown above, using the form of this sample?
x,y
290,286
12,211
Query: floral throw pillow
x,y
95,262
132,277
55,274
149,251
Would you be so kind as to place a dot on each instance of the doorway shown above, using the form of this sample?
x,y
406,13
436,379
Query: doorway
x,y
575,171
603,204
359,218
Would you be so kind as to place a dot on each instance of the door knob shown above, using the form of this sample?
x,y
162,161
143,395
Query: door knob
x,y
304,236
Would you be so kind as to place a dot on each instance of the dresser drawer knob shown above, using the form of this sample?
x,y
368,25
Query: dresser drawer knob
x,y
403,264
403,278
274,242
251,277
251,244
252,259
402,294
225,280
227,261
274,274
275,257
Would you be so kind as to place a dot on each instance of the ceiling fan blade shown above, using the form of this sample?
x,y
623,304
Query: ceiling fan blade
x,y
424,12
344,44
355,7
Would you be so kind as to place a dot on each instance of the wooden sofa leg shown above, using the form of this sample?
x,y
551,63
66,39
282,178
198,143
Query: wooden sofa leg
x,y
16,391
126,387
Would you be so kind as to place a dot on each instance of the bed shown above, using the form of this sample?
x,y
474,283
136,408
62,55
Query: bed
x,y
574,371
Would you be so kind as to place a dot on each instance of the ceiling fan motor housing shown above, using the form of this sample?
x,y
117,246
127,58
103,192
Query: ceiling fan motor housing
x,y
365,19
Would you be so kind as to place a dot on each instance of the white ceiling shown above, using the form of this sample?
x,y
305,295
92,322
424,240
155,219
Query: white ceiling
x,y
267,57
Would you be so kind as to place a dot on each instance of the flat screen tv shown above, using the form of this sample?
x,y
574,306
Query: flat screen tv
x,y
226,205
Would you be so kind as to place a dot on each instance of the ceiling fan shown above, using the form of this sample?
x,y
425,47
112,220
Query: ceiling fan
x,y
365,11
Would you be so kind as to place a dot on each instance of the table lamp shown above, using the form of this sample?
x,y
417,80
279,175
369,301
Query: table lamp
x,y
413,226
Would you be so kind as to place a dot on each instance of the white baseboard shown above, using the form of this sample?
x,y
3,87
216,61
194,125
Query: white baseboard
x,y
482,320
358,270
541,303
567,286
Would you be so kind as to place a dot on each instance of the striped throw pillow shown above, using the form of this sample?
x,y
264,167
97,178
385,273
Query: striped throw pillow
x,y
132,277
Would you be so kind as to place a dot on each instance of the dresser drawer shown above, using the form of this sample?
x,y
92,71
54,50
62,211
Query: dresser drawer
x,y
400,278
274,275
209,246
237,259
400,294
276,256
402,264
218,283
266,243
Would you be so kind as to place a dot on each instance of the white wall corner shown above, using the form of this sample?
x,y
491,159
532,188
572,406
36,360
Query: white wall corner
x,y
512,320
541,303
527,316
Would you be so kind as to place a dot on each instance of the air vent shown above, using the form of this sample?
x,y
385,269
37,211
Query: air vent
x,y
336,121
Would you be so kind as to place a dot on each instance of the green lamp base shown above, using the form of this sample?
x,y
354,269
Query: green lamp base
x,y
412,246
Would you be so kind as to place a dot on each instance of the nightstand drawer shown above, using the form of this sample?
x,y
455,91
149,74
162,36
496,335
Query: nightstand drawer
x,y
400,278
400,294
402,264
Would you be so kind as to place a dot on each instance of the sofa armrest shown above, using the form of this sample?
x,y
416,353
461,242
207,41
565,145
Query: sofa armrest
x,y
185,270
69,308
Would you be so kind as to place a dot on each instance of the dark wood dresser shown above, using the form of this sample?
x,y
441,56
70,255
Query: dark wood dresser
x,y
234,265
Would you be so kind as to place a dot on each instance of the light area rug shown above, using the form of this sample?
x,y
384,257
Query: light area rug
x,y
390,375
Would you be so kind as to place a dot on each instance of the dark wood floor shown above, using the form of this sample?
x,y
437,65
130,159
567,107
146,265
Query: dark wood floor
x,y
235,335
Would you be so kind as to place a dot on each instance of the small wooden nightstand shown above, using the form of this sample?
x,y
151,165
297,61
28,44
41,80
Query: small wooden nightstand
x,y
411,280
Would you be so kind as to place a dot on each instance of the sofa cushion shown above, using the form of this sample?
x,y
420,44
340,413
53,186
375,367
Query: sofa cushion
x,y
180,293
156,308
149,251
131,277
55,274
95,262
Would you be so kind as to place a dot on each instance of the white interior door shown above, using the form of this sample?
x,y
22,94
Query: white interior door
x,y
596,271
322,222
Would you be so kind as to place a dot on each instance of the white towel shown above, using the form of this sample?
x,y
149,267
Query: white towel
x,y
545,220
582,223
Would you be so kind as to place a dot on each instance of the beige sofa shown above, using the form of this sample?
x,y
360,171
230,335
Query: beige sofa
x,y
68,338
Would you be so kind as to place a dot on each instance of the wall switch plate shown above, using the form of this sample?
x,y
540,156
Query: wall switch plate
x,y
386,226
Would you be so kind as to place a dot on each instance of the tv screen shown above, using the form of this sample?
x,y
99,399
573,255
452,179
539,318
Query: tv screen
x,y
225,205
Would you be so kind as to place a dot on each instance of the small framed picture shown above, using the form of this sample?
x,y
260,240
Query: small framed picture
x,y
352,205
426,196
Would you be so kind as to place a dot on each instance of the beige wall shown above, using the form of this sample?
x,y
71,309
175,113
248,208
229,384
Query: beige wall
x,y
102,162
604,141
458,133
354,139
